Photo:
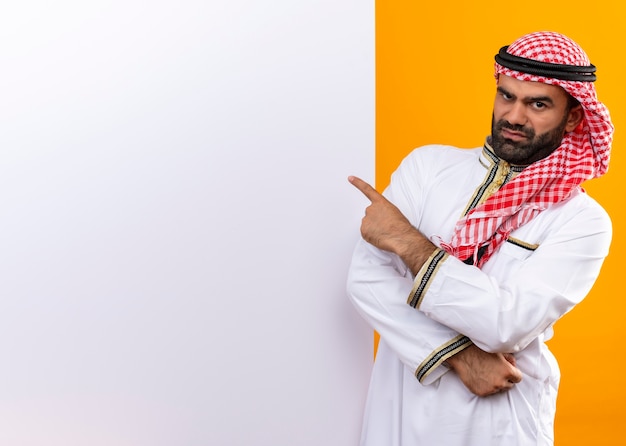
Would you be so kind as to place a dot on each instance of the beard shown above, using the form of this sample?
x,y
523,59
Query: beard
x,y
533,148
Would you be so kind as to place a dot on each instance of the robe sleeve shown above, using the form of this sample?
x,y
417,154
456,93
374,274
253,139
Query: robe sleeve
x,y
379,283
542,284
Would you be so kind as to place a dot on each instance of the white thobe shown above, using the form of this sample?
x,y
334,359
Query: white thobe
x,y
510,305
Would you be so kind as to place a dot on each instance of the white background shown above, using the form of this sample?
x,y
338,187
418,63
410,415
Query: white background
x,y
176,224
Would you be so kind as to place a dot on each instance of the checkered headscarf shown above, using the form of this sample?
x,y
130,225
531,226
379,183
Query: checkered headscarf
x,y
582,155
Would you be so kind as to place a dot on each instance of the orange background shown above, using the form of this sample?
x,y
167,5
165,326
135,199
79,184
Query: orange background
x,y
434,84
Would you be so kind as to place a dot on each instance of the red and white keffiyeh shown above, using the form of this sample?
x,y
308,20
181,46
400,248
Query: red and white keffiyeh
x,y
582,155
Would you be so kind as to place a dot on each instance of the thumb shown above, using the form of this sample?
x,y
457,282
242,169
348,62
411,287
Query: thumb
x,y
516,375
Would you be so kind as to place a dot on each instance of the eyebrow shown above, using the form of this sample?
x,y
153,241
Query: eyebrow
x,y
547,99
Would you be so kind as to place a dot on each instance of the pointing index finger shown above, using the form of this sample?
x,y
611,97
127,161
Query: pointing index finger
x,y
367,190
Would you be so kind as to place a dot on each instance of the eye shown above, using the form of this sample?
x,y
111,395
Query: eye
x,y
539,105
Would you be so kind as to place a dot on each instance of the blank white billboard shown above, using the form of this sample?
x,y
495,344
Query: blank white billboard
x,y
176,223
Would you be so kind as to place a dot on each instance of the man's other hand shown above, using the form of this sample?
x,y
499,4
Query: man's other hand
x,y
485,373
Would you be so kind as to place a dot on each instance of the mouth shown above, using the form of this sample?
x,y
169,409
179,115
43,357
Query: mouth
x,y
513,135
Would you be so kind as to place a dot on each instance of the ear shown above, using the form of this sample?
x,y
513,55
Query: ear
x,y
574,117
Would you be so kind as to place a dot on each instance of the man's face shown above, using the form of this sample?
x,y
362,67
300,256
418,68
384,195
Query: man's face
x,y
530,119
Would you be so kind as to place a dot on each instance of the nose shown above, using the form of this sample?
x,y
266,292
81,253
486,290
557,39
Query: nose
x,y
516,114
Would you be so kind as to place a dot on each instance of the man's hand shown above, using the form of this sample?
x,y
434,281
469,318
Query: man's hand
x,y
385,227
485,373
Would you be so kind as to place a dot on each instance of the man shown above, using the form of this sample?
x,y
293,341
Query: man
x,y
472,255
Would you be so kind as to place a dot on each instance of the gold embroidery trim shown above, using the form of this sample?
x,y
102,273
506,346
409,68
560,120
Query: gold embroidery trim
x,y
523,244
439,356
425,277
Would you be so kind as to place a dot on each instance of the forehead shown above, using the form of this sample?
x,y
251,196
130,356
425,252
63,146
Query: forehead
x,y
531,89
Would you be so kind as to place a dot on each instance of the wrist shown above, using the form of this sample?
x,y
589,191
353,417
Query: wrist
x,y
414,249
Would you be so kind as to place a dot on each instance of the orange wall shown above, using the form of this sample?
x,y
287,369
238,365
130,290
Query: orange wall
x,y
434,69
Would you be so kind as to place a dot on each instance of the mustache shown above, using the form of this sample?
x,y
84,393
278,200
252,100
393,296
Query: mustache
x,y
503,124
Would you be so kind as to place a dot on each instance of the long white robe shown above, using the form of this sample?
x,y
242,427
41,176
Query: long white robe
x,y
543,270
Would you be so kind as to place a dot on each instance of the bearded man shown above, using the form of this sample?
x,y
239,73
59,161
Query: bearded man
x,y
471,255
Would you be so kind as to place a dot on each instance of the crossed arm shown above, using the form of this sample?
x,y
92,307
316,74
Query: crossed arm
x,y
386,228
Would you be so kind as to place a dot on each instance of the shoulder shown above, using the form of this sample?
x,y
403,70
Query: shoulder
x,y
434,153
580,203
434,158
581,213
